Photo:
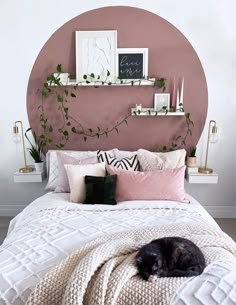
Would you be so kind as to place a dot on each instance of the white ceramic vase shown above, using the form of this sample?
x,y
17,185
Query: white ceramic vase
x,y
39,166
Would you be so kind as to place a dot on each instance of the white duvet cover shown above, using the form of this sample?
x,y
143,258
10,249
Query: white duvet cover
x,y
51,228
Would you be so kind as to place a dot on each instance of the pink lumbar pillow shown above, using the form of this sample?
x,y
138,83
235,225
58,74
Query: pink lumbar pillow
x,y
62,158
165,184
76,175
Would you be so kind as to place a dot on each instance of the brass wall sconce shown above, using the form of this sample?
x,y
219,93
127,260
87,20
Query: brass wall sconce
x,y
25,169
213,138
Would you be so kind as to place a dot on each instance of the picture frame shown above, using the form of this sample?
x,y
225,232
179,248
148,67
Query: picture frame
x,y
95,54
161,100
131,63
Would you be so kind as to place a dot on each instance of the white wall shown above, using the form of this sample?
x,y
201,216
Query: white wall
x,y
209,26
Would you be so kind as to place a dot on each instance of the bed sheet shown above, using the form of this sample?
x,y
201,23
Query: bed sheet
x,y
51,228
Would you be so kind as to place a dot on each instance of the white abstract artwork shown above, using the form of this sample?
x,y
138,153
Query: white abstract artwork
x,y
95,53
161,100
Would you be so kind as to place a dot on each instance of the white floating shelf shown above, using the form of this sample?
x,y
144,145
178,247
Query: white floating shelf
x,y
144,82
33,176
153,112
200,178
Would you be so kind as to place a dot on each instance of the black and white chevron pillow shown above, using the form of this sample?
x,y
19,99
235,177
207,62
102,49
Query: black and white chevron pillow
x,y
131,163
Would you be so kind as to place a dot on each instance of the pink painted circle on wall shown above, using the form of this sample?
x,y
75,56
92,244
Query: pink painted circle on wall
x,y
170,55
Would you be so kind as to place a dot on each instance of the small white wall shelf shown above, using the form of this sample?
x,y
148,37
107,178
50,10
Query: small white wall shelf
x,y
29,177
143,82
199,178
153,112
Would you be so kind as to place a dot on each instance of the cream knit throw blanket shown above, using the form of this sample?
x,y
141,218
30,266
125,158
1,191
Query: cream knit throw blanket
x,y
103,271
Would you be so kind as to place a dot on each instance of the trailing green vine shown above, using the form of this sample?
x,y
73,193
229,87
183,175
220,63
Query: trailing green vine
x,y
70,125
64,93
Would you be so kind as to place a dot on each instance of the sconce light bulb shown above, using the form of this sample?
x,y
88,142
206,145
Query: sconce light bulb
x,y
214,138
16,138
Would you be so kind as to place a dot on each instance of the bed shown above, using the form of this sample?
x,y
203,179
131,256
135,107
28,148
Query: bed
x,y
60,252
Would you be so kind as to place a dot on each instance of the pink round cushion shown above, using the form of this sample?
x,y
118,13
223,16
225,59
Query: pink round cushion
x,y
165,184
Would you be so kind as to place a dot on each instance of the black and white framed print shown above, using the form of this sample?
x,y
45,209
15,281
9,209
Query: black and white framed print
x,y
132,63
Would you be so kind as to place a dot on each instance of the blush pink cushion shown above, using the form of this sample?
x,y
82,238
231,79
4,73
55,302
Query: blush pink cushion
x,y
76,175
62,159
166,184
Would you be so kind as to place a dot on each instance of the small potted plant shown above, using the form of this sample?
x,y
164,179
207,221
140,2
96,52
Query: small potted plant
x,y
36,150
192,159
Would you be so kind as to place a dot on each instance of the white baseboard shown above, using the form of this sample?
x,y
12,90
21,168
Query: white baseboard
x,y
10,210
214,210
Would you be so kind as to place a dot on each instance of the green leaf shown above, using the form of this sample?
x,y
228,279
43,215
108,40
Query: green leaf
x,y
59,98
87,82
110,83
85,76
42,136
90,129
50,129
92,75
72,95
97,134
116,129
73,129
66,92
108,73
98,77
164,148
43,126
59,68
85,139
68,123
65,133
60,130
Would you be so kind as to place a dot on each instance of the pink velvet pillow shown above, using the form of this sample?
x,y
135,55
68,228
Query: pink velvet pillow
x,y
62,158
165,184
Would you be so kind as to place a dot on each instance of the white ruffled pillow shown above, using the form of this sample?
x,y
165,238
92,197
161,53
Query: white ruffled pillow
x,y
150,161
76,174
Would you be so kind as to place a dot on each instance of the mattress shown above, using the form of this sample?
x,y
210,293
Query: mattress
x,y
51,228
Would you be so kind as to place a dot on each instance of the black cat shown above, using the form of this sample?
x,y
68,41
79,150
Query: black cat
x,y
169,257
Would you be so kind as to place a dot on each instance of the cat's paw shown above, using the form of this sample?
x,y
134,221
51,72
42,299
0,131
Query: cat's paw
x,y
152,278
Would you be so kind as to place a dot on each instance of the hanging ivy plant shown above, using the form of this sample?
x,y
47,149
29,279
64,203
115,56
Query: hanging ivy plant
x,y
64,94
70,125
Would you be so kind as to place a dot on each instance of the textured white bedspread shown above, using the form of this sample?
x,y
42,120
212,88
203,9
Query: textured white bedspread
x,y
51,228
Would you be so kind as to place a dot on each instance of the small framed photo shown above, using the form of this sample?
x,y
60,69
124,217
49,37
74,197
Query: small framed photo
x,y
132,63
96,53
161,100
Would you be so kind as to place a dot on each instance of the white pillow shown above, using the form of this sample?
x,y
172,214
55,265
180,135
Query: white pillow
x,y
131,163
120,154
76,174
150,161
52,164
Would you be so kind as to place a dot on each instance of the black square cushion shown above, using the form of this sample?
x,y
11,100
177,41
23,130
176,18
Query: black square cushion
x,y
100,190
